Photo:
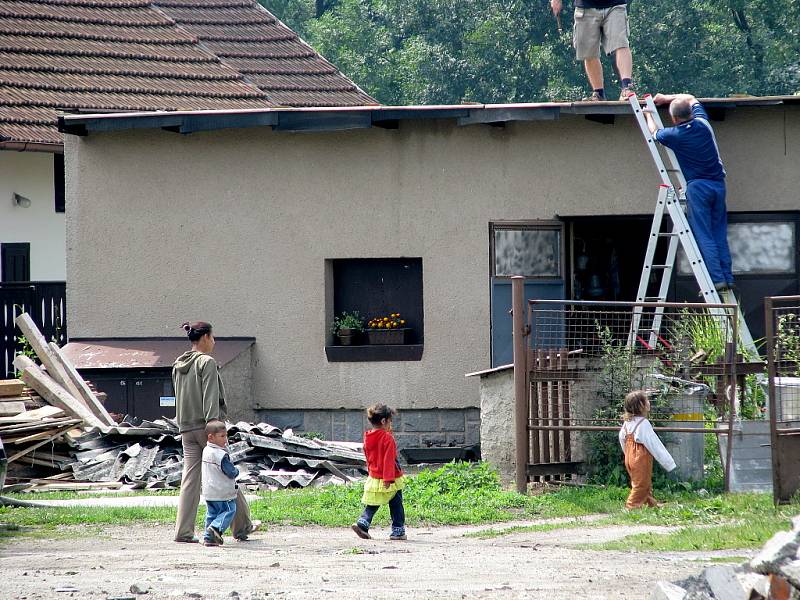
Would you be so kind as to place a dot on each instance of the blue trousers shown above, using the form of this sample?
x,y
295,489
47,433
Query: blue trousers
x,y
396,510
220,513
708,218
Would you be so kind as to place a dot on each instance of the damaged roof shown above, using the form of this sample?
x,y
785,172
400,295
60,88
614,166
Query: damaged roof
x,y
143,353
389,117
138,55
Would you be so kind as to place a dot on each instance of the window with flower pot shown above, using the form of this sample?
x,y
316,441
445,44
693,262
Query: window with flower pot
x,y
374,308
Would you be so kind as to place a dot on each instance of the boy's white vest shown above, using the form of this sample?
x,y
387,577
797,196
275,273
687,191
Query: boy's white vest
x,y
216,485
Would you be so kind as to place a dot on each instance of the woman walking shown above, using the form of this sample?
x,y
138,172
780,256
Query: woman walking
x,y
200,398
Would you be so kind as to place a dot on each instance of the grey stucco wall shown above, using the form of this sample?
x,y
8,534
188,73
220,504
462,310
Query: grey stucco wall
x,y
237,376
234,227
498,435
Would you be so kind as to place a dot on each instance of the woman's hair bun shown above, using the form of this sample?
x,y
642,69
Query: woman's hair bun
x,y
186,327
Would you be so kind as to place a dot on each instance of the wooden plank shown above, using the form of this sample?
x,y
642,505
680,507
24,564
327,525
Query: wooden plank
x,y
54,393
29,449
87,395
8,409
54,368
11,387
37,414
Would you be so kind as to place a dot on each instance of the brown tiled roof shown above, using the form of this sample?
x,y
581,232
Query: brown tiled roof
x,y
250,39
135,55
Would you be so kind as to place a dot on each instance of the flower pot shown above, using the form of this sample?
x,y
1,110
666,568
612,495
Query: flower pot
x,y
387,336
346,340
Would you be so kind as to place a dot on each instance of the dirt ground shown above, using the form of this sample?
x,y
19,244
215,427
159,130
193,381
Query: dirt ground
x,y
315,562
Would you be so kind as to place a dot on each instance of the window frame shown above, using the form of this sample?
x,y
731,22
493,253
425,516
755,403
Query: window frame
x,y
529,225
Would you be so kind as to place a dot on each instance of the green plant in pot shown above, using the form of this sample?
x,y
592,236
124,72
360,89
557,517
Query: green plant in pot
x,y
347,327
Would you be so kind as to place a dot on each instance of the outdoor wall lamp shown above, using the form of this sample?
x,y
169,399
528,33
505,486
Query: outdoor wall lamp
x,y
21,201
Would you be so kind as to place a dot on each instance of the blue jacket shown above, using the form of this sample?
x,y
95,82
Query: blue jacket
x,y
695,147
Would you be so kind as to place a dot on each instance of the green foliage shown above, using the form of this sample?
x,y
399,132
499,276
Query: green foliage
x,y
348,320
449,51
25,349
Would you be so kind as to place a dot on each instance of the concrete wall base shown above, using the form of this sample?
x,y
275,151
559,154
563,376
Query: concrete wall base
x,y
412,428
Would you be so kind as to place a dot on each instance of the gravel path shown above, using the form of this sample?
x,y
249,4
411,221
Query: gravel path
x,y
314,562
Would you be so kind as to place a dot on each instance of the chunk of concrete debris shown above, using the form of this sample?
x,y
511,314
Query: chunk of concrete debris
x,y
781,548
732,583
791,572
665,590
140,588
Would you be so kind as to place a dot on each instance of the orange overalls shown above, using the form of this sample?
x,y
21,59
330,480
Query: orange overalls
x,y
639,464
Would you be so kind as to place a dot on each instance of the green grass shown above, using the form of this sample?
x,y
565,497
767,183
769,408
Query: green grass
x,y
536,528
461,494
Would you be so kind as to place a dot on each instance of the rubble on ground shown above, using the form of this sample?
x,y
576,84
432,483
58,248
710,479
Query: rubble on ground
x,y
774,573
58,436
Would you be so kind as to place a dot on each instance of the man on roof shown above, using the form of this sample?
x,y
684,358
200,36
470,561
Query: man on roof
x,y
695,146
596,23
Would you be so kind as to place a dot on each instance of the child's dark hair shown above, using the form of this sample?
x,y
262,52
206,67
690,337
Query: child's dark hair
x,y
634,404
196,329
378,412
215,426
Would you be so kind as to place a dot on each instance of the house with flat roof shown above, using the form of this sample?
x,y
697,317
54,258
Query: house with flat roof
x,y
73,56
235,218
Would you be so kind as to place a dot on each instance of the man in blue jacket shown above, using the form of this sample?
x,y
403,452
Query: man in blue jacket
x,y
695,146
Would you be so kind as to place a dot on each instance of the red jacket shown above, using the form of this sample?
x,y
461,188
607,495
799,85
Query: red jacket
x,y
381,452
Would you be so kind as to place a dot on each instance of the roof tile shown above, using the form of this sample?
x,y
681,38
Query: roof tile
x,y
144,55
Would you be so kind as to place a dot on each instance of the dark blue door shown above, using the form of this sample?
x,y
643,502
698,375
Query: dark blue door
x,y
535,250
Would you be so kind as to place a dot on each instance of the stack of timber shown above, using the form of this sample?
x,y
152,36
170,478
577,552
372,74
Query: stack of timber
x,y
67,440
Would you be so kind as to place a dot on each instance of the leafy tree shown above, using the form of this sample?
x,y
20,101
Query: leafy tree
x,y
451,51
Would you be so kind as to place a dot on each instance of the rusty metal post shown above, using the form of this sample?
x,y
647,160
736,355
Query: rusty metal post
x,y
772,372
520,381
730,357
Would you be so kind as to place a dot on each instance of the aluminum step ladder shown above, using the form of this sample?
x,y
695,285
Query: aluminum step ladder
x,y
670,205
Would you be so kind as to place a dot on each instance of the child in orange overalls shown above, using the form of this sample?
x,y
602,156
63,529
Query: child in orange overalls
x,y
640,444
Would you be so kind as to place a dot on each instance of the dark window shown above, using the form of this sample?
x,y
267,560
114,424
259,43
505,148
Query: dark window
x,y
16,262
377,287
58,181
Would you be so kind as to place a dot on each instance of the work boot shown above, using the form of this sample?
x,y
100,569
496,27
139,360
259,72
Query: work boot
x,y
594,97
628,90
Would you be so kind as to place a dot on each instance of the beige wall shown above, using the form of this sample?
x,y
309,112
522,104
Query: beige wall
x,y
30,174
235,226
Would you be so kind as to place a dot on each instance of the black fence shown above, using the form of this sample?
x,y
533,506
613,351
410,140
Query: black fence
x,y
46,303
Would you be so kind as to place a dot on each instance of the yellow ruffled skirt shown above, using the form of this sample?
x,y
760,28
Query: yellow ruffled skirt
x,y
377,495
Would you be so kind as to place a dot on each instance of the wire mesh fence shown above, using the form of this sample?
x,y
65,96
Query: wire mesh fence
x,y
584,357
784,314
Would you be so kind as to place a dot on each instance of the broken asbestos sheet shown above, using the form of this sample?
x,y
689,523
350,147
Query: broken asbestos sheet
x,y
148,454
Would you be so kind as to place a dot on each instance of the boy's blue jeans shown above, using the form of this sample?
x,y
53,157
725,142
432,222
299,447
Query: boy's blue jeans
x,y
396,510
708,218
219,514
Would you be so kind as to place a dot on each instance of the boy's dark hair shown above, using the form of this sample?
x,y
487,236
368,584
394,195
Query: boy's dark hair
x,y
196,329
215,426
378,412
633,405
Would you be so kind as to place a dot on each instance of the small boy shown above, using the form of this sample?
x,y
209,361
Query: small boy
x,y
219,483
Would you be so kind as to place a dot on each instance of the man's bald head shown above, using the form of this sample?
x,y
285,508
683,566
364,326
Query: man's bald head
x,y
680,110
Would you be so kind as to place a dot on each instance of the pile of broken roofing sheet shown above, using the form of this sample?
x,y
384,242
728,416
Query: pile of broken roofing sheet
x,y
148,454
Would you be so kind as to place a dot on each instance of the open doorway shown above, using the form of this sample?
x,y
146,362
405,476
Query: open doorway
x,y
607,254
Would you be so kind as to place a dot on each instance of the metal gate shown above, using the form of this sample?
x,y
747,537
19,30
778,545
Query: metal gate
x,y
782,317
571,357
45,301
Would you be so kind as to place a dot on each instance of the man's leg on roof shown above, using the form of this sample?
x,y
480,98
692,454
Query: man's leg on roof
x,y
586,36
700,196
719,228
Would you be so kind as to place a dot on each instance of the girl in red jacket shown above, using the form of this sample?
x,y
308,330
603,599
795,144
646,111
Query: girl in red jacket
x,y
385,482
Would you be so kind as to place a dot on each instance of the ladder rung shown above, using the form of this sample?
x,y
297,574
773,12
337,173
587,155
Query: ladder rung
x,y
668,234
660,266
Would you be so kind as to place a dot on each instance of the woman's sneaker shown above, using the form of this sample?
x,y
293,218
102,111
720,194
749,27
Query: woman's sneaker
x,y
398,536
